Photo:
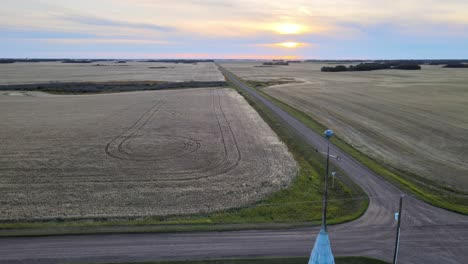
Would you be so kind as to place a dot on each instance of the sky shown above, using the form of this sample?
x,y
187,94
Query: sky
x,y
234,29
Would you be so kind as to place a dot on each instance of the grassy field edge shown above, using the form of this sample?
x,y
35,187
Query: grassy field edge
x,y
78,88
282,260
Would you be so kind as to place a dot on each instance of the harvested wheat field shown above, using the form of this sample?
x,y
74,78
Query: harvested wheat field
x,y
135,154
44,72
412,120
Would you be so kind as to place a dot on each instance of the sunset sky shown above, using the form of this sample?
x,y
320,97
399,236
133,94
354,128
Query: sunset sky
x,y
238,29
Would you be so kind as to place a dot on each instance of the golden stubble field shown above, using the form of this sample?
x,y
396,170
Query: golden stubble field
x,y
44,72
413,120
135,154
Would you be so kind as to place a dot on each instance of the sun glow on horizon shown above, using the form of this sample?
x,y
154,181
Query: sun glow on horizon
x,y
290,44
287,45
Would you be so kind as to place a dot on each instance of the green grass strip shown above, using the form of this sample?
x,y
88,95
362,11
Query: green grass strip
x,y
292,260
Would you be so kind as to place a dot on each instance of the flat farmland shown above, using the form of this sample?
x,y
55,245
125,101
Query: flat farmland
x,y
411,120
146,153
44,72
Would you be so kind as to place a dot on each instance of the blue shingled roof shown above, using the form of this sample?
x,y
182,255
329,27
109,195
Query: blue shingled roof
x,y
322,253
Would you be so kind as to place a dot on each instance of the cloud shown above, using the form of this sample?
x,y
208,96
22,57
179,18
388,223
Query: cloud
x,y
103,41
213,3
99,21
169,55
32,33
343,27
238,18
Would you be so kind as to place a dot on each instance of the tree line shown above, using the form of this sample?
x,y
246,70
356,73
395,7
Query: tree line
x,y
372,67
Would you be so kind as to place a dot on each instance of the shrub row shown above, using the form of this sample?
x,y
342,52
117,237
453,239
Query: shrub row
x,y
371,67
89,87
456,65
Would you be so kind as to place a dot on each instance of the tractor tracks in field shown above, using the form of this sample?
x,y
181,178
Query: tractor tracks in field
x,y
127,134
124,148
118,147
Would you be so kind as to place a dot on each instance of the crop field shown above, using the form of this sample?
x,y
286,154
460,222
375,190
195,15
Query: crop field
x,y
415,121
166,152
43,72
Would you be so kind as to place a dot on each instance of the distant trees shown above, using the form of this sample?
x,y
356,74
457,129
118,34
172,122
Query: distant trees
x,y
276,62
392,64
338,68
96,87
407,67
456,65
7,61
446,62
77,61
371,67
